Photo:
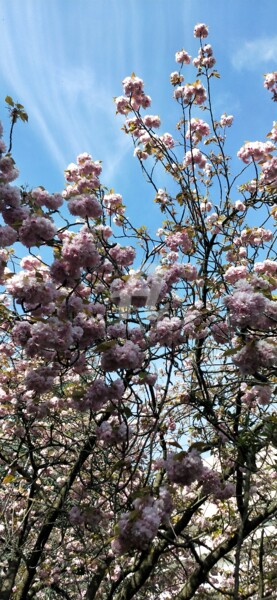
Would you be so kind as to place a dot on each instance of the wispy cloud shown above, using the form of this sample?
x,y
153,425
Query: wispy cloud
x,y
256,52
71,109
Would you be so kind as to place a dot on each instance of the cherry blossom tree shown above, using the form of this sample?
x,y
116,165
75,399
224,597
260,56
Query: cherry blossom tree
x,y
138,369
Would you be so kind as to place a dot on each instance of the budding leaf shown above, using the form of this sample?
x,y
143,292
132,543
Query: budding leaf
x,y
9,100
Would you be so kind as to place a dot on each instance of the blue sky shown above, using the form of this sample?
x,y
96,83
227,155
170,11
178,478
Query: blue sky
x,y
64,60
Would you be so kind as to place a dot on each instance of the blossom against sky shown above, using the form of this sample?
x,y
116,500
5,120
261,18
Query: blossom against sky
x,y
65,60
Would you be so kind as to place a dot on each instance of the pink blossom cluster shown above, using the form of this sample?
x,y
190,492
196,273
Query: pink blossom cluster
x,y
122,256
194,157
85,206
10,197
35,230
134,98
253,236
237,254
46,339
117,330
137,529
183,468
114,205
195,325
188,271
214,222
8,235
233,274
91,329
257,151
191,93
267,267
205,57
4,257
269,172
89,516
32,287
43,198
226,120
162,197
212,484
197,128
176,78
182,57
270,83
167,332
221,332
40,380
135,291
248,308
180,239
152,121
112,432
255,355
79,251
240,206
98,394
273,132
8,171
128,356
201,30
153,144
166,140
84,176
260,394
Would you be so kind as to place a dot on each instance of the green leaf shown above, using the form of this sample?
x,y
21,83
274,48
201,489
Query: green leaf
x,y
105,346
23,116
9,100
230,352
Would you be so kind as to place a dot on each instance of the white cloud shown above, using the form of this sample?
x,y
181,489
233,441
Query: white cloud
x,y
70,107
256,52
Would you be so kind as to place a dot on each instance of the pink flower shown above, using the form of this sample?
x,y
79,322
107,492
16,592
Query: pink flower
x,y
201,30
184,468
152,121
273,133
8,171
226,120
123,256
179,239
205,58
191,93
7,235
85,206
136,529
197,128
233,274
167,140
80,251
132,85
113,203
194,157
246,308
258,151
176,78
127,356
34,231
240,205
167,332
269,172
41,380
270,83
182,57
